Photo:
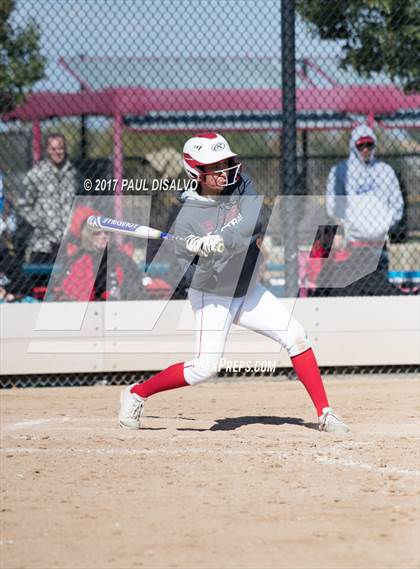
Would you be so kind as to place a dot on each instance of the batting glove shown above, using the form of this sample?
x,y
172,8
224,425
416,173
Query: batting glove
x,y
213,244
204,246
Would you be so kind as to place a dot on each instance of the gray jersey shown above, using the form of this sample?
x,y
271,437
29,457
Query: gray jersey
x,y
236,216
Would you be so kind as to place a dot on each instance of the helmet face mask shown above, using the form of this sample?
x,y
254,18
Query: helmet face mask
x,y
209,149
231,172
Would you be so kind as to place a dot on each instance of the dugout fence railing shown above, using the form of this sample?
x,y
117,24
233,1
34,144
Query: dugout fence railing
x,y
129,377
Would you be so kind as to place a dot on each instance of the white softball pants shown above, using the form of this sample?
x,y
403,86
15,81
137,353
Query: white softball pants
x,y
214,315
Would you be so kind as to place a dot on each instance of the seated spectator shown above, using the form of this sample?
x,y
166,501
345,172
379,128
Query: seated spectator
x,y
14,229
50,187
5,295
13,283
90,260
342,261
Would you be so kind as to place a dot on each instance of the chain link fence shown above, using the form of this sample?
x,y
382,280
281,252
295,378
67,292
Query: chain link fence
x,y
98,98
130,377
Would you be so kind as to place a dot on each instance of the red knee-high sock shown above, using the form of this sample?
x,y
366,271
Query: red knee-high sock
x,y
306,368
170,378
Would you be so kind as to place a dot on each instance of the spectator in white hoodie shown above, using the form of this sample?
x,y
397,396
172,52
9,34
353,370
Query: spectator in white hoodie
x,y
363,194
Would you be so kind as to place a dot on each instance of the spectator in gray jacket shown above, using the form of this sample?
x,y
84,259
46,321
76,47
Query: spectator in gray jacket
x,y
50,187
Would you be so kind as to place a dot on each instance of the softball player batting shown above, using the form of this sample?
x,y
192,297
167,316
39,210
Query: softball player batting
x,y
224,209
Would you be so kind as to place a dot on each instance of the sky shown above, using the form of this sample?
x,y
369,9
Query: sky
x,y
156,28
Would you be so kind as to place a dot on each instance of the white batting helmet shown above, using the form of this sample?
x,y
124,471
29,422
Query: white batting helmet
x,y
205,149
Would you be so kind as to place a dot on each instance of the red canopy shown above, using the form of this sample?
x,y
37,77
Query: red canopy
x,y
362,100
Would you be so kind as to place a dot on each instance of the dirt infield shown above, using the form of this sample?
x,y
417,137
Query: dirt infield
x,y
221,476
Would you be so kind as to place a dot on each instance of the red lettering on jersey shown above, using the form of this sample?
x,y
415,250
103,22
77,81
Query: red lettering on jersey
x,y
231,214
209,225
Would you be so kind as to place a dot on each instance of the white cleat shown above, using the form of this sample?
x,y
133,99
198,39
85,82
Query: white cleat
x,y
332,423
131,408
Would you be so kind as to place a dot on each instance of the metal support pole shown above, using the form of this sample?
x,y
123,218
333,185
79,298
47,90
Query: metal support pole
x,y
289,157
36,141
83,138
118,163
83,129
303,190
